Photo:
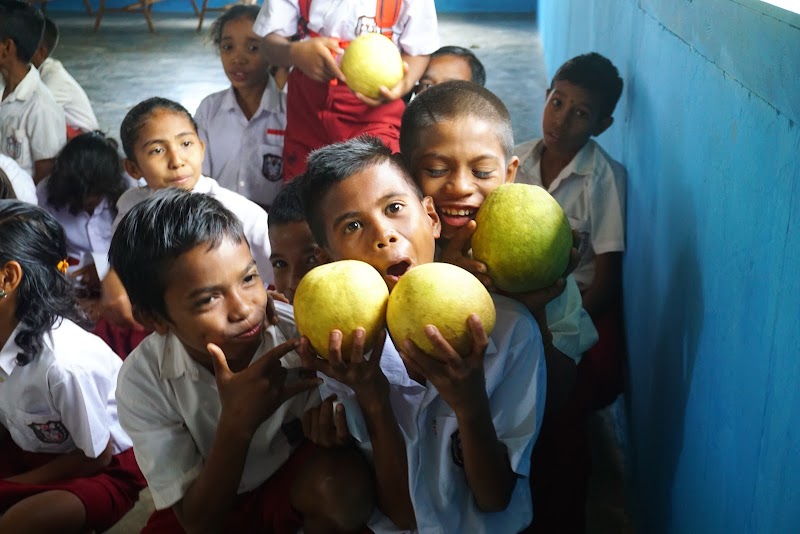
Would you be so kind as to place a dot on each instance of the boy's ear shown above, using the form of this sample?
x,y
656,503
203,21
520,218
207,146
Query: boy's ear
x,y
511,170
436,223
603,125
151,321
132,168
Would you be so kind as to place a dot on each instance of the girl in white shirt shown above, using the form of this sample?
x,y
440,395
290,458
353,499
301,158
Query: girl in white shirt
x,y
66,465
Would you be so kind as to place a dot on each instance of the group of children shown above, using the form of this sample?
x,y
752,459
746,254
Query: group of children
x,y
235,422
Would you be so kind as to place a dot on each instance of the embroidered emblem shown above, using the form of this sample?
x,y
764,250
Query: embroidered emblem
x,y
13,147
455,449
366,25
272,167
50,432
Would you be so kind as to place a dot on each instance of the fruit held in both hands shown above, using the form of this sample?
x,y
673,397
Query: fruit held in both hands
x,y
443,295
523,237
342,295
369,61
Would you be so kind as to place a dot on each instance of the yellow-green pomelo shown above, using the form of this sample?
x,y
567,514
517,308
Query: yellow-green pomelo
x,y
443,295
342,295
369,61
523,237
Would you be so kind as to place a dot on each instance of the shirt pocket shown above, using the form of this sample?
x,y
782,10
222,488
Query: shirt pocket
x,y
271,151
583,227
16,146
41,433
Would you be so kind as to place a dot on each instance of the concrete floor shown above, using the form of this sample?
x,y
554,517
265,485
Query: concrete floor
x,y
123,64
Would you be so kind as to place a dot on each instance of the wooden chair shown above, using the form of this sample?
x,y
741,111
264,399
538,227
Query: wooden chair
x,y
145,6
205,9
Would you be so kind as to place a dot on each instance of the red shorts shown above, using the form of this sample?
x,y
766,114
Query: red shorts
x,y
318,114
602,378
107,495
264,509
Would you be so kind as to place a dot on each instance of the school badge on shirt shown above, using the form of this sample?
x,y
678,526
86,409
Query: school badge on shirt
x,y
13,147
272,167
50,432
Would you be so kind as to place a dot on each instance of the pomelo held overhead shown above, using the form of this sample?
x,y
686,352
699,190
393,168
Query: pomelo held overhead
x,y
443,295
342,295
523,237
369,61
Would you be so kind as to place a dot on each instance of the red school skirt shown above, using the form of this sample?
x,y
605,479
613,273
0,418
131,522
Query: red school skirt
x,y
107,495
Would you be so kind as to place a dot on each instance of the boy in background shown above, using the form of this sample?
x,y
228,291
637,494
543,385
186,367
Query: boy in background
x,y
470,421
32,125
67,92
452,63
212,400
310,35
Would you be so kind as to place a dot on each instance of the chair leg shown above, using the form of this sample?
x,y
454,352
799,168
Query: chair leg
x,y
147,9
88,6
201,16
194,7
100,10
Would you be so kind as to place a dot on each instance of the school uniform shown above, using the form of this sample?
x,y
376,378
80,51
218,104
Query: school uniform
x,y
21,181
63,400
514,368
69,94
319,114
32,124
170,406
252,217
244,155
591,191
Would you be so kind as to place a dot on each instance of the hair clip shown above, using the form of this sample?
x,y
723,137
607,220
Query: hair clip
x,y
62,266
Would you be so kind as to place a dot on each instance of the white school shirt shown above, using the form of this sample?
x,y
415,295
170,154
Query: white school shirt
x,y
21,181
514,367
169,404
32,125
252,216
69,94
244,155
416,31
591,191
570,325
63,399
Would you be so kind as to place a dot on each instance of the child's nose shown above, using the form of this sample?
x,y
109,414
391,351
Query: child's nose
x,y
238,307
385,236
461,183
175,159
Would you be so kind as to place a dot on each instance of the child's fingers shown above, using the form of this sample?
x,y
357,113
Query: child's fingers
x,y
340,420
222,372
308,423
444,349
335,349
461,240
325,419
359,338
377,348
272,358
290,390
411,356
479,338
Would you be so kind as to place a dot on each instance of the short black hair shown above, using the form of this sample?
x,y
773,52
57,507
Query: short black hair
x,y
88,165
156,232
336,163
138,115
6,189
50,37
450,100
234,13
475,65
23,24
34,239
288,205
596,74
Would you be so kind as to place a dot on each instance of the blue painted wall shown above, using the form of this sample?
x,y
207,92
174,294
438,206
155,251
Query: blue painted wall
x,y
442,6
709,129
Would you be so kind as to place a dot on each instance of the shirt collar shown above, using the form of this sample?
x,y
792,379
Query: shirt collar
x,y
26,87
9,352
582,164
272,101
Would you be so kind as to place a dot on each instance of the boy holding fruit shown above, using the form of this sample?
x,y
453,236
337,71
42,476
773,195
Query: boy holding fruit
x,y
209,399
469,420
311,36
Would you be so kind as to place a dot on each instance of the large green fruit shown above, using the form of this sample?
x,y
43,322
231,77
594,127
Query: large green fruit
x,y
369,61
443,295
342,295
523,237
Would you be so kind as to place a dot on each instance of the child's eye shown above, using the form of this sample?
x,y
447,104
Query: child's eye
x,y
253,48
394,207
352,226
312,260
279,264
436,173
483,174
556,102
204,302
250,278
226,47
187,143
157,150
581,113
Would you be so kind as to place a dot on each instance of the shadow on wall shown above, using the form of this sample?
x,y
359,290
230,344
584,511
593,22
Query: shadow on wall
x,y
668,293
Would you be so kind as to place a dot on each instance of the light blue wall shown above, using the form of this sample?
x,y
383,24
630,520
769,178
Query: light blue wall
x,y
709,129
442,6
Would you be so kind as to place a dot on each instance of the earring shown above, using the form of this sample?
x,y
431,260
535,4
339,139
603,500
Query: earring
x,y
3,294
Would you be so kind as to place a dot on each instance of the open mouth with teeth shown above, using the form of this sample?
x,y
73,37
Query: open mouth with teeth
x,y
457,217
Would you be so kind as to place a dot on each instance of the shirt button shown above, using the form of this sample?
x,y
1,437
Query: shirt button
x,y
241,184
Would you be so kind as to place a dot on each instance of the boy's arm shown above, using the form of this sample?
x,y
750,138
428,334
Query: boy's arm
x,y
42,168
71,465
115,306
413,69
371,387
462,385
316,56
604,291
248,398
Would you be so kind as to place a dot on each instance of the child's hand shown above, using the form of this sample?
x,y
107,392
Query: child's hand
x,y
460,381
253,394
388,95
277,295
316,57
456,252
364,377
326,425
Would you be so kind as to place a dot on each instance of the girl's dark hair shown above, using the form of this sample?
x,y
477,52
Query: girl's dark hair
x,y
138,115
32,237
23,24
236,12
6,189
88,165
